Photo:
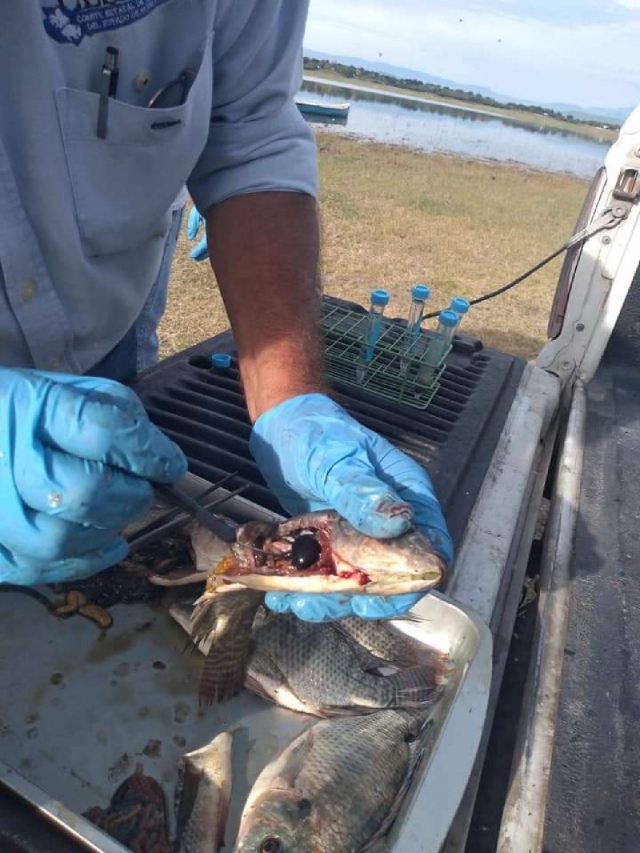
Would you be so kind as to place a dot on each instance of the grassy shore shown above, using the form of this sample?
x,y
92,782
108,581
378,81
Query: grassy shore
x,y
392,217
586,130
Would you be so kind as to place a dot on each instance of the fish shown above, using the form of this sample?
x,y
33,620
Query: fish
x,y
315,552
322,670
336,788
202,796
137,815
320,552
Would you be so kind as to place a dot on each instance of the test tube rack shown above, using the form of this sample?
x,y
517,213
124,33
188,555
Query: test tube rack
x,y
394,367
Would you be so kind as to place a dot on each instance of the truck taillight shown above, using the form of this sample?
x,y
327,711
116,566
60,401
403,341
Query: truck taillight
x,y
565,280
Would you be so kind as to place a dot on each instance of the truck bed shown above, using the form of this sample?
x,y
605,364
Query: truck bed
x,y
594,796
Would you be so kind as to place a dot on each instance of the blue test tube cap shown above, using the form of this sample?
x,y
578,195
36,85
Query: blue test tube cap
x,y
448,318
379,297
420,292
459,305
221,360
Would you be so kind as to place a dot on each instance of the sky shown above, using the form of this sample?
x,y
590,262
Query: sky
x,y
584,52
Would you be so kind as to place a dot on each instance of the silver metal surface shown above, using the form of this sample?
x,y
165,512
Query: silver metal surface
x,y
81,830
522,827
502,629
79,708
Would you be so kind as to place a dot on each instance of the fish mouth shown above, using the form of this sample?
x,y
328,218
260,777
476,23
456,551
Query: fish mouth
x,y
300,555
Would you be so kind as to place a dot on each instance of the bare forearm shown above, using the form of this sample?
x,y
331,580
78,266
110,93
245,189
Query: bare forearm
x,y
264,250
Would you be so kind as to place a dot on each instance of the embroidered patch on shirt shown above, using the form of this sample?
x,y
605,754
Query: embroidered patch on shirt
x,y
69,21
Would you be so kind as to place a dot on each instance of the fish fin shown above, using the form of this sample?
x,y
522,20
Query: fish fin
x,y
227,617
416,687
368,661
422,729
408,652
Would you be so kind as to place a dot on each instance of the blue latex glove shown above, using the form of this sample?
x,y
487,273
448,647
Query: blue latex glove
x,y
315,456
76,454
194,223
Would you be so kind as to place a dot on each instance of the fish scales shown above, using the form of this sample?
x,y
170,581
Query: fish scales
x,y
337,788
318,669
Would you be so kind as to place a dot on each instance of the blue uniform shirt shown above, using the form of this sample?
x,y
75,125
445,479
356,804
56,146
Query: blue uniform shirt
x,y
82,219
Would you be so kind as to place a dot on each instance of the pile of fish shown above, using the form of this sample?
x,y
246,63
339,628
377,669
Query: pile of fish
x,y
314,553
338,786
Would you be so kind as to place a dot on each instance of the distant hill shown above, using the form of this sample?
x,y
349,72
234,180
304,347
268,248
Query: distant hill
x,y
600,113
385,68
615,115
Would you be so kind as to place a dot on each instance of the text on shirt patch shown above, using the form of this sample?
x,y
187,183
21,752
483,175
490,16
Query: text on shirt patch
x,y
69,21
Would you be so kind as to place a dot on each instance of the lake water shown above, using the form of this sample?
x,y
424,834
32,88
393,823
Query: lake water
x,y
434,127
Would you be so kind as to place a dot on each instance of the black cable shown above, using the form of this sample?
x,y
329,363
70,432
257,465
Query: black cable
x,y
511,284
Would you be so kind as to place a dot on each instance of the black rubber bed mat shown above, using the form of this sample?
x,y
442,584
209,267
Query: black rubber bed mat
x,y
203,410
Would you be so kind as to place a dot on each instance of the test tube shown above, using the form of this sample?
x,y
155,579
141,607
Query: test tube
x,y
460,306
379,299
447,324
419,295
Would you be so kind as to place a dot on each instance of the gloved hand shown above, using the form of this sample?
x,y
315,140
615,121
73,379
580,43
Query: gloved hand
x,y
315,456
76,455
194,223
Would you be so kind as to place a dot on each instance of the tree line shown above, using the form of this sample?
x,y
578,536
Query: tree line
x,y
363,74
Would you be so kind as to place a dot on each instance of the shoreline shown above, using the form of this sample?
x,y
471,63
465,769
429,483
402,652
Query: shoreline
x,y
493,162
596,134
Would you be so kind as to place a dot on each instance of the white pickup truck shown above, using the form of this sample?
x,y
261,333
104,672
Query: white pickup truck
x,y
500,439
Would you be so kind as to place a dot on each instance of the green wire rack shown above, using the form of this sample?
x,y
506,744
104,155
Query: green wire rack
x,y
404,373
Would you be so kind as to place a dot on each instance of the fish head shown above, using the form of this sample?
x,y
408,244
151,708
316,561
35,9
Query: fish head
x,y
279,822
409,558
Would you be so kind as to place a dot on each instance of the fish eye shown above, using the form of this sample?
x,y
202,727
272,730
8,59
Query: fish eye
x,y
271,844
305,551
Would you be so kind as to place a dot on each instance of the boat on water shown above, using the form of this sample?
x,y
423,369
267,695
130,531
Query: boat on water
x,y
317,109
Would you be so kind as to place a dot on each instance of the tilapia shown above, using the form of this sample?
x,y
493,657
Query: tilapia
x,y
321,552
337,788
202,797
321,669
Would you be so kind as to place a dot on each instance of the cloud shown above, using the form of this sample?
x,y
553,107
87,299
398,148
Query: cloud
x,y
584,52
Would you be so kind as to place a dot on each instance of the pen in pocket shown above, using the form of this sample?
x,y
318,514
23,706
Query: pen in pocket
x,y
108,89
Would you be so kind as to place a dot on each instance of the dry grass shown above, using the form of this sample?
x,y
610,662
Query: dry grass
x,y
392,217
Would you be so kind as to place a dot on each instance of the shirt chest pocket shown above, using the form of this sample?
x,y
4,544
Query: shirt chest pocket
x,y
124,185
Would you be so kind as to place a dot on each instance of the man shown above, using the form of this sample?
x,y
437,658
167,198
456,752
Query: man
x,y
107,108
